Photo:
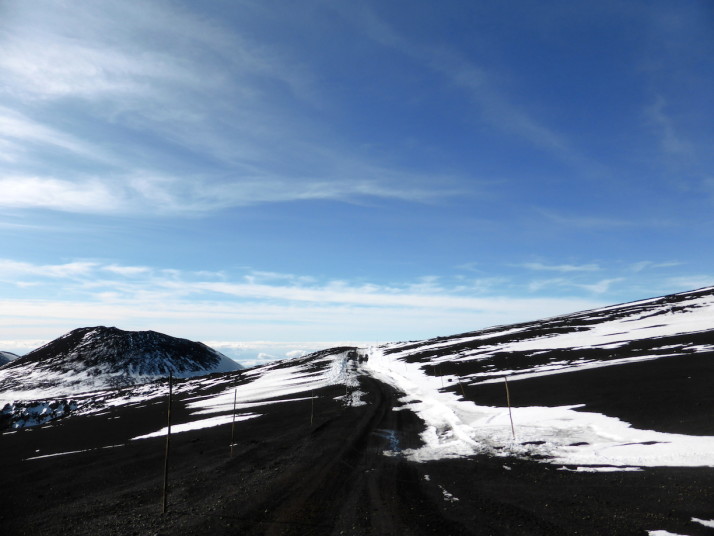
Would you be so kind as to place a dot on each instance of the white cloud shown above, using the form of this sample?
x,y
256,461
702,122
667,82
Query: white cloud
x,y
540,284
585,221
125,49
480,84
689,282
671,141
89,196
289,309
11,270
128,271
256,319
602,286
650,265
598,287
17,132
562,267
159,86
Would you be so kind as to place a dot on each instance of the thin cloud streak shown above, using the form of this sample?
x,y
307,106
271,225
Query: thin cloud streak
x,y
670,140
200,91
562,267
144,296
275,306
461,72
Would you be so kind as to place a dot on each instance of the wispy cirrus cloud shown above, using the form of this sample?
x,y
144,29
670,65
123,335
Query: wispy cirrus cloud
x,y
152,109
538,266
11,270
586,221
487,95
651,265
127,50
87,196
20,134
687,282
671,140
597,287
605,222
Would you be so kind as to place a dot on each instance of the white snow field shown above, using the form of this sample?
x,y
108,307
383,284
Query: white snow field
x,y
560,435
461,428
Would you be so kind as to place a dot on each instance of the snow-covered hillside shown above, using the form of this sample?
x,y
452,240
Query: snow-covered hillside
x,y
671,325
442,376
93,358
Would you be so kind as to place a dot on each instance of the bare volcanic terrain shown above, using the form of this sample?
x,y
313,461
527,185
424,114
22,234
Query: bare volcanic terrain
x,y
610,430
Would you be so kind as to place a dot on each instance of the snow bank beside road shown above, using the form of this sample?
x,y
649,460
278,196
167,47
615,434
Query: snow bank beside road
x,y
558,435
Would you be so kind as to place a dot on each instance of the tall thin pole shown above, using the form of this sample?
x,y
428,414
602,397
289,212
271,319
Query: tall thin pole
x,y
312,406
168,445
508,400
233,426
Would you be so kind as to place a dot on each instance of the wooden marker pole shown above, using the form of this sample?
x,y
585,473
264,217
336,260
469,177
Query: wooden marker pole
x,y
508,401
168,446
233,425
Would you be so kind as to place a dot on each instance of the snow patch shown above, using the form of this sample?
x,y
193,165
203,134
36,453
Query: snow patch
x,y
557,435
706,523
198,425
599,469
448,496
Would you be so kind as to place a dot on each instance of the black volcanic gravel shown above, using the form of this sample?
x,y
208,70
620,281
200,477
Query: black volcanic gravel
x,y
288,477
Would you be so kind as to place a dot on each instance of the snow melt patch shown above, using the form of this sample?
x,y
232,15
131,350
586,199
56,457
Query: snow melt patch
x,y
709,523
596,469
198,425
66,453
558,435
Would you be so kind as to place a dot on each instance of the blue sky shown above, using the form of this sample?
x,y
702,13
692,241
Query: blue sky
x,y
301,173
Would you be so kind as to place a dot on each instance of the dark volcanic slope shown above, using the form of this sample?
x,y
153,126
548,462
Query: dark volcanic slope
x,y
99,357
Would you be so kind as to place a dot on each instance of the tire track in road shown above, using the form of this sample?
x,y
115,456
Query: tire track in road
x,y
346,484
